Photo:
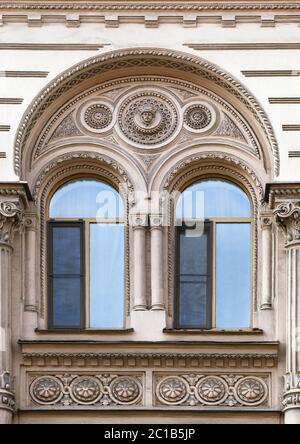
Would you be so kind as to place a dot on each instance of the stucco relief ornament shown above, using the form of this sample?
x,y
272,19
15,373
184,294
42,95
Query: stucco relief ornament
x,y
288,217
197,116
148,118
86,389
251,391
98,116
173,390
46,389
10,218
211,390
125,390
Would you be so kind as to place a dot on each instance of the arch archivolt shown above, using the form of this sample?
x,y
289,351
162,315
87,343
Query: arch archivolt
x,y
185,98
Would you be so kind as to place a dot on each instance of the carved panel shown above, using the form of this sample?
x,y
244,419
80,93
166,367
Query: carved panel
x,y
227,390
97,389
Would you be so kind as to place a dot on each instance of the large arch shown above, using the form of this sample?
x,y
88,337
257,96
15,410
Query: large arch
x,y
120,64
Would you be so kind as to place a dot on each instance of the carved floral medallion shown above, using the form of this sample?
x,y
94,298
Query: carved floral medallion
x,y
211,389
125,389
148,118
46,389
86,389
251,390
197,116
97,116
172,390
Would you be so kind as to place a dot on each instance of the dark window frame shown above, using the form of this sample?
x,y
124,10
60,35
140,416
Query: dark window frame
x,y
208,226
50,276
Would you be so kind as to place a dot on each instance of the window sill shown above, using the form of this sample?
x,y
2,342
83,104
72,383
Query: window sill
x,y
98,331
214,331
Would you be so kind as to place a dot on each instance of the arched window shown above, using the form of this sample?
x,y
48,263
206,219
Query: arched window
x,y
86,256
213,276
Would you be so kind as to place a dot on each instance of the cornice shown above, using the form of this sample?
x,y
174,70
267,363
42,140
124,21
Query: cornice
x,y
159,359
149,6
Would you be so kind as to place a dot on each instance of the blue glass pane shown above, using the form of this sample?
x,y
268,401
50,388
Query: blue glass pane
x,y
66,250
106,275
86,198
213,198
66,302
233,242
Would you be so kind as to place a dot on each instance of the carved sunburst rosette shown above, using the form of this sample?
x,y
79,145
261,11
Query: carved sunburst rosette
x,y
46,390
86,390
251,391
126,390
211,390
172,390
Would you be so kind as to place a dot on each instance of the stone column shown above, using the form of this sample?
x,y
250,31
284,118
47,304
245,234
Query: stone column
x,y
288,217
156,222
139,223
30,262
266,298
10,217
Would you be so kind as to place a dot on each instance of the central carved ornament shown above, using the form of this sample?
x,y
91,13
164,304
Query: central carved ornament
x,y
148,118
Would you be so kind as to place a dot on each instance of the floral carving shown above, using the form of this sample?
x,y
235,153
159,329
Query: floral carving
x,y
99,389
172,390
125,389
211,389
197,116
288,217
86,389
67,128
10,219
148,118
98,116
46,389
251,390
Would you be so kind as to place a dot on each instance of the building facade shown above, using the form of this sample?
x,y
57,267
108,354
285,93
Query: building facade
x,y
143,100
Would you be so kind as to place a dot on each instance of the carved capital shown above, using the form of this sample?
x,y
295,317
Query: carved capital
x,y
156,221
10,220
138,221
7,397
291,396
287,215
266,222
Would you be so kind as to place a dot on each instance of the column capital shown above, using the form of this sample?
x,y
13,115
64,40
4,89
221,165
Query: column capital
x,y
156,220
10,220
291,395
287,215
266,221
7,397
138,220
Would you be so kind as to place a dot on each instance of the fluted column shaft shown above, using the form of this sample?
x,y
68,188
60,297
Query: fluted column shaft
x,y
30,264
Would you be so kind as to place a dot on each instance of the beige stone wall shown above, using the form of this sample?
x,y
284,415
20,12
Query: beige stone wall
x,y
241,64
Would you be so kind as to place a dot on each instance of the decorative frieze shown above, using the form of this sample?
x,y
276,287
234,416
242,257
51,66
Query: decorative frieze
x,y
147,360
225,390
97,389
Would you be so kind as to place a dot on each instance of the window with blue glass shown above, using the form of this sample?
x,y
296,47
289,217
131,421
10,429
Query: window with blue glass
x,y
86,256
213,251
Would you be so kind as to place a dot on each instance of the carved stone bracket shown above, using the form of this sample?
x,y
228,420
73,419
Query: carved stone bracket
x,y
10,220
288,217
7,397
